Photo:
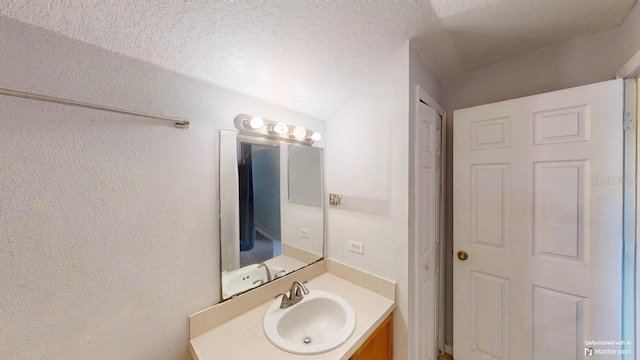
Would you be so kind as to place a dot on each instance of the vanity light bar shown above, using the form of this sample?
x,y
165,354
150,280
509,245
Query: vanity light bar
x,y
253,125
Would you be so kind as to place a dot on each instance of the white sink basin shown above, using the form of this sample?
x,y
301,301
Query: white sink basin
x,y
248,277
320,322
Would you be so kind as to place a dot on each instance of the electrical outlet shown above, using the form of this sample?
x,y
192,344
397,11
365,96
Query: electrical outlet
x,y
357,247
304,233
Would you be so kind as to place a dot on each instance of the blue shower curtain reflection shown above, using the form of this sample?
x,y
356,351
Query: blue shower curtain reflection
x,y
246,209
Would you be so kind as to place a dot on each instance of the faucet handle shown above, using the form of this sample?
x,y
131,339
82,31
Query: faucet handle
x,y
296,286
286,300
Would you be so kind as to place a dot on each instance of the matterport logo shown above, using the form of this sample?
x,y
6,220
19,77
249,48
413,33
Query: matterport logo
x,y
606,347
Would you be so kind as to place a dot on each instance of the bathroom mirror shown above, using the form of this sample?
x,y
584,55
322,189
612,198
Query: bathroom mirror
x,y
271,209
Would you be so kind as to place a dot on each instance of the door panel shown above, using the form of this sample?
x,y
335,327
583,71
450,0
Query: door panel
x,y
427,229
490,205
557,315
559,208
538,208
490,314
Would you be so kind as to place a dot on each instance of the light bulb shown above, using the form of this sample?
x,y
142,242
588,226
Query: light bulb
x,y
316,136
255,123
280,128
299,133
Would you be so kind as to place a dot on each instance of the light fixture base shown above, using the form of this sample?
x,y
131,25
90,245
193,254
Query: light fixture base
x,y
267,130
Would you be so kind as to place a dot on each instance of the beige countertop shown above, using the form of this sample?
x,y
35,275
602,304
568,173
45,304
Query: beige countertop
x,y
242,337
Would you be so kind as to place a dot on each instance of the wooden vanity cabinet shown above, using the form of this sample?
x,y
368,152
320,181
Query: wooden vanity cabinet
x,y
379,346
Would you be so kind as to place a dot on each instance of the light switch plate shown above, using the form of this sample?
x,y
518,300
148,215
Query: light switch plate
x,y
356,247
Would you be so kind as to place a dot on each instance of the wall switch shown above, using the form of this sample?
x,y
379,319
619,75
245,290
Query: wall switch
x,y
304,233
357,247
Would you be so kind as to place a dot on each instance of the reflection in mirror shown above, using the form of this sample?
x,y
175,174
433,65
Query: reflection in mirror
x,y
259,191
271,210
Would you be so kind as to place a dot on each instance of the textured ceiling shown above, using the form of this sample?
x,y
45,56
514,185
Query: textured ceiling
x,y
311,55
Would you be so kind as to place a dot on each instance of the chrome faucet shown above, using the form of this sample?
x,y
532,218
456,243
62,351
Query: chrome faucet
x,y
296,293
267,269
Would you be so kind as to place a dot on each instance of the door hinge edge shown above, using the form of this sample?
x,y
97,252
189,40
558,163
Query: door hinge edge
x,y
629,120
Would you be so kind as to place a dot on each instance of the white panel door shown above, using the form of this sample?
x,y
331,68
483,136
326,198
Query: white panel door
x,y
427,228
538,210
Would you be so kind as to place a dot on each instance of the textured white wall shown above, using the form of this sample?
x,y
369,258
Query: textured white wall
x,y
108,224
421,74
631,34
368,161
577,62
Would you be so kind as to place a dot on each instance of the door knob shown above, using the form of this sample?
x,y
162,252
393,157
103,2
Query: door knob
x,y
462,255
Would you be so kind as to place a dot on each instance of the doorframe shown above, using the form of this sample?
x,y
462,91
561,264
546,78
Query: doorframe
x,y
637,287
630,72
422,95
631,69
630,220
